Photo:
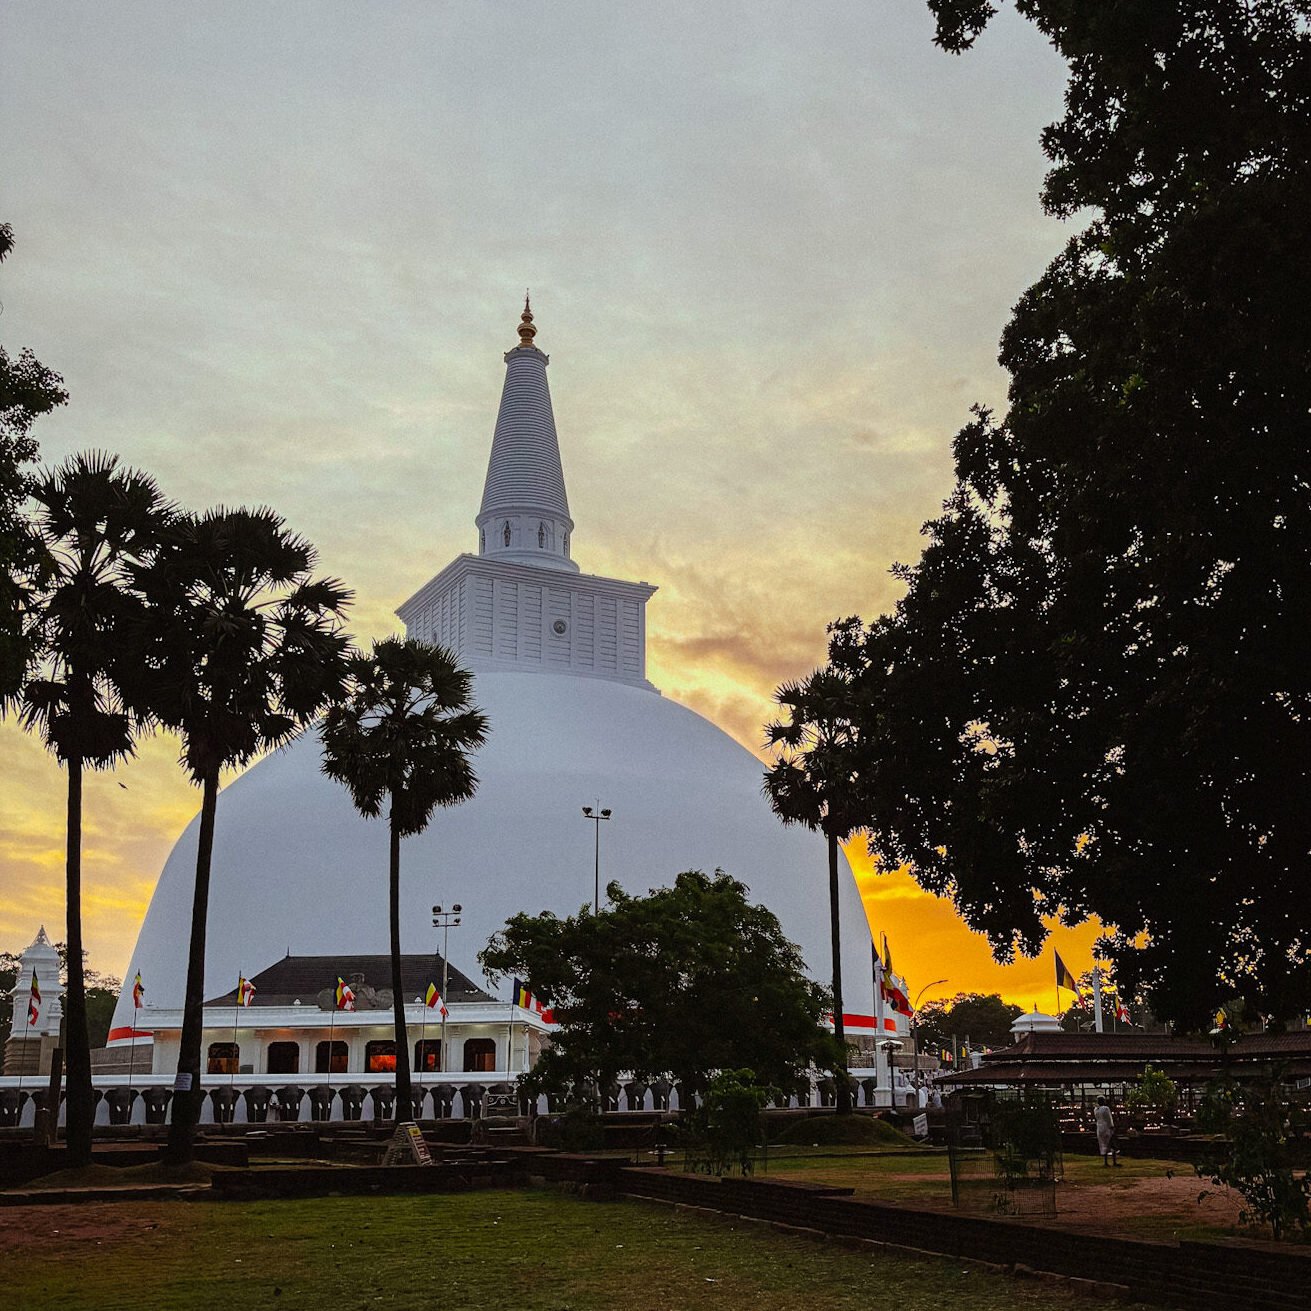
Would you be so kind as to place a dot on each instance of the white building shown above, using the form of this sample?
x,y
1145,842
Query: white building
x,y
559,658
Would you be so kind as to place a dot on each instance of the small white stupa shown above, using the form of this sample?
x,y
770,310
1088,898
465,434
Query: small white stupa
x,y
37,1009
1034,1021
559,658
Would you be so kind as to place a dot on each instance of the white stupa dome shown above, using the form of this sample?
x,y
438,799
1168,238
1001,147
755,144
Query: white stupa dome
x,y
559,663
1035,1021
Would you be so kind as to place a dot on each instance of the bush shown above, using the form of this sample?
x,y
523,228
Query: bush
x,y
1257,1162
578,1129
1155,1091
723,1133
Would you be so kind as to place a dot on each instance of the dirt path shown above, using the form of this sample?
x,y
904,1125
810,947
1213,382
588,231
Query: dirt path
x,y
82,1225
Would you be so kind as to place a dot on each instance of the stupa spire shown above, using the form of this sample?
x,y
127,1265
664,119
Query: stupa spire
x,y
524,515
526,330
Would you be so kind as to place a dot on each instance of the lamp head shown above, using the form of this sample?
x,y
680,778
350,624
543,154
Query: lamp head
x,y
587,810
605,814
457,908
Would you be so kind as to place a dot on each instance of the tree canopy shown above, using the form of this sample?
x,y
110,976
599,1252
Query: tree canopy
x,y
983,1018
401,737
1093,698
685,981
27,390
241,649
812,781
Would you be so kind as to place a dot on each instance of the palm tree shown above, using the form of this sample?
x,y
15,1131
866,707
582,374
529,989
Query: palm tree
x,y
92,522
402,738
243,649
812,782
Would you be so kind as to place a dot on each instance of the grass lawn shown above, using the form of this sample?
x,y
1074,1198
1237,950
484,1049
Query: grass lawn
x,y
477,1251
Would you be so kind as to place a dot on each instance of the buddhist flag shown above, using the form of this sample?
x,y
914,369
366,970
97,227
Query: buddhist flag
x,y
33,1002
1122,1012
245,991
345,997
138,992
895,996
1220,1025
1064,979
522,996
887,955
433,1001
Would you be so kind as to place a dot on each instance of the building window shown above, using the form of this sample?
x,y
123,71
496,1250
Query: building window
x,y
283,1058
505,533
224,1058
482,539
339,1063
428,1055
541,536
380,1056
479,1055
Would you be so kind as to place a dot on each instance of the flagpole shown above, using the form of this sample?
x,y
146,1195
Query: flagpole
x,y
236,1014
878,1014
132,1053
332,1024
423,1046
22,1063
22,1060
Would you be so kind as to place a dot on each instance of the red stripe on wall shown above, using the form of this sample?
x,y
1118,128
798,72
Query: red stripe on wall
x,y
851,1021
124,1035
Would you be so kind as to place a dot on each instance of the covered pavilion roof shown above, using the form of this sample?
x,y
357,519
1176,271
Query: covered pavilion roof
x,y
1040,1059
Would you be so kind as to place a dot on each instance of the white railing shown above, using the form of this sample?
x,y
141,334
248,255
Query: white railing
x,y
350,1095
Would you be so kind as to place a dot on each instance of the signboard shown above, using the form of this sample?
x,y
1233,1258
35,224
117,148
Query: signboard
x,y
407,1142
919,1126
182,1081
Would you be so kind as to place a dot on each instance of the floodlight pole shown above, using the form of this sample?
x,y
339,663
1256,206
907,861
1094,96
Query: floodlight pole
x,y
915,1024
596,816
444,919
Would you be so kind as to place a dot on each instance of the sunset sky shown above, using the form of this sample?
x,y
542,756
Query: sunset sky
x,y
277,252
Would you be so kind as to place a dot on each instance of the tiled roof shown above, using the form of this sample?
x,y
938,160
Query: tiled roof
x,y
1053,1058
304,977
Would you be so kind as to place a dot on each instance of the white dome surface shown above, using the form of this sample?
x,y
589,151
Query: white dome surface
x,y
297,870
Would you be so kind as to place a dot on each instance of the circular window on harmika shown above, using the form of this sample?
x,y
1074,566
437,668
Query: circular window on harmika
x,y
560,628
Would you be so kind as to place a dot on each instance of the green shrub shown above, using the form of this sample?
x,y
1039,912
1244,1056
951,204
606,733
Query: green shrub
x,y
1255,1162
723,1133
1156,1091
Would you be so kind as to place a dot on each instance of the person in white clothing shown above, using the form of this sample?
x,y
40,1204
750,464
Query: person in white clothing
x,y
1106,1134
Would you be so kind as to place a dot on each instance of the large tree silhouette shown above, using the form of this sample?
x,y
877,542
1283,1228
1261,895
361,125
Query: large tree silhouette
x,y
243,649
1094,698
27,390
814,782
400,741
92,523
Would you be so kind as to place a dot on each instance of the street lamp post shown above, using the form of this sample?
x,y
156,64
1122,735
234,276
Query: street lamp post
x,y
444,920
596,816
915,1024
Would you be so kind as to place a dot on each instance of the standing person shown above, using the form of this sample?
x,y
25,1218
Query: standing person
x,y
1106,1134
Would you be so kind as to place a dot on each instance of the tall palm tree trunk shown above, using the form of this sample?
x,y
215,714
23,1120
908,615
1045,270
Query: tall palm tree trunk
x,y
843,1088
404,1100
77,1043
181,1148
